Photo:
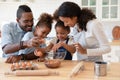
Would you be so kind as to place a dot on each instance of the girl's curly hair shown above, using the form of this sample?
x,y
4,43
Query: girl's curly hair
x,y
45,19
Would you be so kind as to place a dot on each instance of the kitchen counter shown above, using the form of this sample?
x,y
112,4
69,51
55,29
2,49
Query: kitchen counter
x,y
113,72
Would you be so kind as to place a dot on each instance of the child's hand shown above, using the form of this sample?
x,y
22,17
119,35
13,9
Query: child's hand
x,y
34,42
37,52
41,40
56,46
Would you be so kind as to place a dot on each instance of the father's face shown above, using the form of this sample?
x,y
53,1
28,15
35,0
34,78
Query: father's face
x,y
26,21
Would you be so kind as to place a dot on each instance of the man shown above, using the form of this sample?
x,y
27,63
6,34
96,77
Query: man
x,y
13,32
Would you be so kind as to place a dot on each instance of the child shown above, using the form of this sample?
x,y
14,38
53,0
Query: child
x,y
41,30
62,41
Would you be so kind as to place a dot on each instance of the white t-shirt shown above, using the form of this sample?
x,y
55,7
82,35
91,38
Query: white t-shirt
x,y
94,40
70,41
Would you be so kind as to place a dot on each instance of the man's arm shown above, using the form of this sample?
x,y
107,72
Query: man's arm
x,y
10,48
9,38
29,56
17,58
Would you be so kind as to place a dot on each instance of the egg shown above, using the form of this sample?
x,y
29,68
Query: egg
x,y
23,65
38,53
17,66
12,67
28,64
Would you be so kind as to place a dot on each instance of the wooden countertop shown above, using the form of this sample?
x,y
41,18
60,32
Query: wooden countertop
x,y
113,72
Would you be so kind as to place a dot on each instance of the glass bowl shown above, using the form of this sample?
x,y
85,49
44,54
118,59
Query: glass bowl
x,y
52,63
53,59
56,55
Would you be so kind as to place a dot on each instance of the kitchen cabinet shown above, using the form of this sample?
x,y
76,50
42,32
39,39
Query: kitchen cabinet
x,y
104,9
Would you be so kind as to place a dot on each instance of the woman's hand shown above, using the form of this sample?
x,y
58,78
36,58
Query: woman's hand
x,y
80,49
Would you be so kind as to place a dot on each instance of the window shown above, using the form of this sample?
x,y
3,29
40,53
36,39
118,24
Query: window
x,y
91,4
103,9
109,9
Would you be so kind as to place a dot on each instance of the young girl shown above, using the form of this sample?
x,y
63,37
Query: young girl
x,y
41,30
62,42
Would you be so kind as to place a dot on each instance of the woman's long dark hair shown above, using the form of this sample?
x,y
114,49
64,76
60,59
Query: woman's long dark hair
x,y
71,9
85,16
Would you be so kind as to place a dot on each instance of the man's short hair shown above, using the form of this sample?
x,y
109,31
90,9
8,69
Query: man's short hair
x,y
21,9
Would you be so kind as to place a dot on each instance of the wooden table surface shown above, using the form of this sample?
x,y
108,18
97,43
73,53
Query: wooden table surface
x,y
113,73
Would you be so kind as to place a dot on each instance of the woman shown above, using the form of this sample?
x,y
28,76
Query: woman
x,y
91,41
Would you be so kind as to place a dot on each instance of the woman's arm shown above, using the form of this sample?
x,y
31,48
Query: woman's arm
x,y
99,35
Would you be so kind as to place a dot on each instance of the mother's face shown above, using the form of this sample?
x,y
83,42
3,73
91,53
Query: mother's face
x,y
69,21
